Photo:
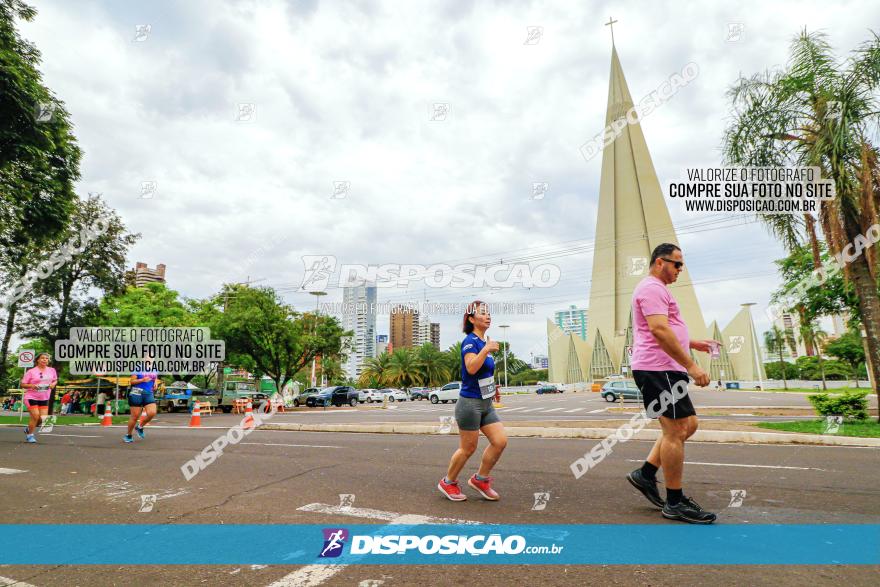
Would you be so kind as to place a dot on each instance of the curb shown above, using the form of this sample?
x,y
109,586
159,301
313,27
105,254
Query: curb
x,y
734,436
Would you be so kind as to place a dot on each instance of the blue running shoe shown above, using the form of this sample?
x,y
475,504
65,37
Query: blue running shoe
x,y
128,438
31,438
139,430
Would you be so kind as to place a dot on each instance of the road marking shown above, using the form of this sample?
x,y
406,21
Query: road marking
x,y
533,410
554,410
515,409
739,465
298,445
76,435
597,411
575,410
379,514
4,471
7,581
313,575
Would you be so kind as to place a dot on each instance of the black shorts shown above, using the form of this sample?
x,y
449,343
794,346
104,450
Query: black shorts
x,y
653,384
36,402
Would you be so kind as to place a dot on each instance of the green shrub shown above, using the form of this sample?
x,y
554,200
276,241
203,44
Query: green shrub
x,y
850,404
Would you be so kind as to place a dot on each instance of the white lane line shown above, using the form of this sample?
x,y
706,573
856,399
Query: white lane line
x,y
553,410
514,409
4,471
338,510
533,410
4,581
76,435
313,575
746,466
574,410
597,411
298,445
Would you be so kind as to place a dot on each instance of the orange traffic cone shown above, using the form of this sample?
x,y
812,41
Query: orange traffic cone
x,y
248,422
107,420
196,419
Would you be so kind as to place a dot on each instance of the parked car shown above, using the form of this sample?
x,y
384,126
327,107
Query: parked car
x,y
302,399
419,393
394,394
549,388
335,395
364,395
447,393
373,395
614,390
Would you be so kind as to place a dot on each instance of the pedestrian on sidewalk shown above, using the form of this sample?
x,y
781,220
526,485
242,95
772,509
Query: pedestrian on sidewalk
x,y
37,382
65,403
474,411
661,366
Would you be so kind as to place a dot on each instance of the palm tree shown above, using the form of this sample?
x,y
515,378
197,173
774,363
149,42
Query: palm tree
x,y
375,371
331,368
432,366
819,114
452,359
774,340
403,371
814,337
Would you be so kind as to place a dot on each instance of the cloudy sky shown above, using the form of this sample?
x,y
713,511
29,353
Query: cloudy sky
x,y
247,114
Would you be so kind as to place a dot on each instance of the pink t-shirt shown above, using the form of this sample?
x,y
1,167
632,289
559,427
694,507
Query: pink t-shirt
x,y
33,375
651,296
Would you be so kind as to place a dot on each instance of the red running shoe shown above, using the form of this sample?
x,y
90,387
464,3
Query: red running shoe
x,y
484,487
451,490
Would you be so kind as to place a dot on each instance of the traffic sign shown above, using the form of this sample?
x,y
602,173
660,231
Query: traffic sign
x,y
26,358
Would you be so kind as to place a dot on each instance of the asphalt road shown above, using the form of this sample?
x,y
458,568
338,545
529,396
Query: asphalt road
x,y
88,475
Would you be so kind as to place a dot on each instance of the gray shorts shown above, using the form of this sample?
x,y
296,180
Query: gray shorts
x,y
472,413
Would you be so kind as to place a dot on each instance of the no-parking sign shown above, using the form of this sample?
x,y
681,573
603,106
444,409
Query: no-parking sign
x,y
26,359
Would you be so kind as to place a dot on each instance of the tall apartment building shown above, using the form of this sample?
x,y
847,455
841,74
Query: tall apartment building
x,y
359,316
404,327
428,332
572,321
141,275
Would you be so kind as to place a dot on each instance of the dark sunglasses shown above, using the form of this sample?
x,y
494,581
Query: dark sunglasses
x,y
678,264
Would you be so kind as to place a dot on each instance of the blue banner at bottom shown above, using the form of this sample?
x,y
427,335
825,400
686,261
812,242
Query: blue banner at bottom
x,y
211,544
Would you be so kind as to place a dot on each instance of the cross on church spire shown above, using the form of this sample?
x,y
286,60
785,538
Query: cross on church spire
x,y
610,23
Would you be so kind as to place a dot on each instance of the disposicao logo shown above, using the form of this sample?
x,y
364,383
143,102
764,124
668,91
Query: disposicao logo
x,y
334,541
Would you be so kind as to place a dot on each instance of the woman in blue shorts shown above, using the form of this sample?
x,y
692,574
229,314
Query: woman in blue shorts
x,y
140,397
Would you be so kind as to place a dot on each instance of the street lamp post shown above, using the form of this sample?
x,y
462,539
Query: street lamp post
x,y
504,328
317,295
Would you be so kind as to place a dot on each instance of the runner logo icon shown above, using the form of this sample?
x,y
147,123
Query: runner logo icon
x,y
334,541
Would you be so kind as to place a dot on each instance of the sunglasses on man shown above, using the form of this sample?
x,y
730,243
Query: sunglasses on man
x,y
678,264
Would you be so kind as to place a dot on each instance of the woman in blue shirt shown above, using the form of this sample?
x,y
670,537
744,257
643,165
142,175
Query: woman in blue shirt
x,y
474,411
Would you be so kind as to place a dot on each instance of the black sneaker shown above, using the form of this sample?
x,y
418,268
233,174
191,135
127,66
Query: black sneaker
x,y
648,487
687,510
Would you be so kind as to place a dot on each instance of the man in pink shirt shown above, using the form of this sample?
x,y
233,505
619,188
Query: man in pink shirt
x,y
661,366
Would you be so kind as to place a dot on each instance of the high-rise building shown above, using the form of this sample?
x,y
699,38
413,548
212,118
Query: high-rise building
x,y
141,275
572,321
427,332
404,327
359,316
381,343
540,362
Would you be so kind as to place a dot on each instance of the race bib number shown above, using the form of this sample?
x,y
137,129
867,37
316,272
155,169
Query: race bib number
x,y
487,387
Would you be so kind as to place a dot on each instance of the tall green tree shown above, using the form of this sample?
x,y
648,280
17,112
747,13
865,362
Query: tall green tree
x,y
820,113
257,324
39,163
776,342
814,337
403,369
433,371
99,266
375,371
849,349
452,358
